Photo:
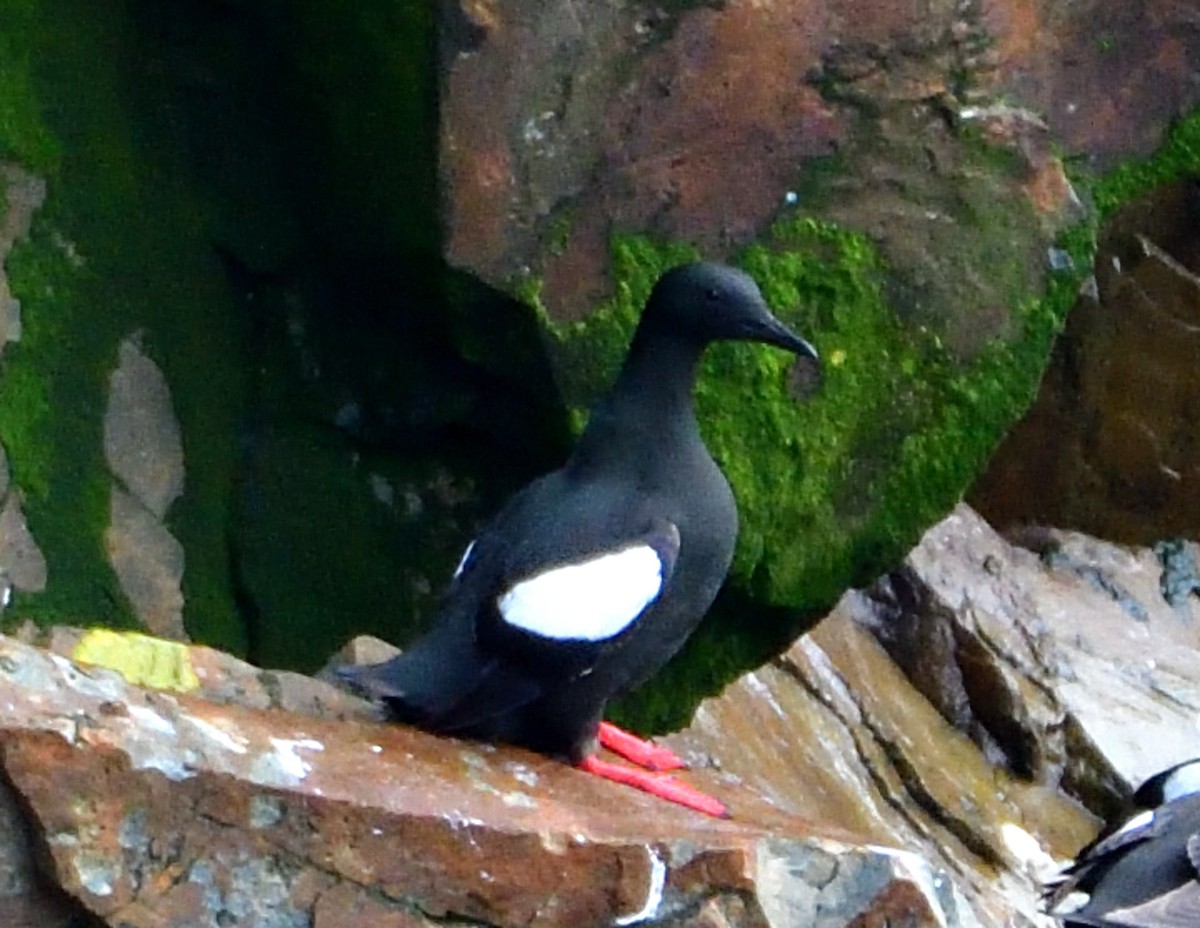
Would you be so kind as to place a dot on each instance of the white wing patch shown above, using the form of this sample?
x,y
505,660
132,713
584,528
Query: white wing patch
x,y
589,600
462,561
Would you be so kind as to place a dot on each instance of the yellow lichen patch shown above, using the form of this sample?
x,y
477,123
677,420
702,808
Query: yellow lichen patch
x,y
140,659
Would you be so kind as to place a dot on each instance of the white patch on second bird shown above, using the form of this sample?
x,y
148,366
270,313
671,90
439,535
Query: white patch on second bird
x,y
1141,820
589,600
1183,782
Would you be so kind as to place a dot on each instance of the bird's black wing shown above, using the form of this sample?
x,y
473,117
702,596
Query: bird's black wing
x,y
526,610
1178,908
1081,873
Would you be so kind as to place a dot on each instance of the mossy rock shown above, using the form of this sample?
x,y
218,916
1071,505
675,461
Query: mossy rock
x,y
836,480
252,188
835,490
262,278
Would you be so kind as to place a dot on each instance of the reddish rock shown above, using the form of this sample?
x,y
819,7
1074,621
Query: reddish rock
x,y
1109,76
156,808
898,905
562,125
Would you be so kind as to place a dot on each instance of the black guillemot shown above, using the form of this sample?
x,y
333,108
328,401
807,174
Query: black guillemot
x,y
1144,873
592,576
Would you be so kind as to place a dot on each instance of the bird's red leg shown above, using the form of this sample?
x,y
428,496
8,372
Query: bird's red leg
x,y
636,750
664,787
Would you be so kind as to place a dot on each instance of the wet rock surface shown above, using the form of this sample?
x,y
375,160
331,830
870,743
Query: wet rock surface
x,y
922,757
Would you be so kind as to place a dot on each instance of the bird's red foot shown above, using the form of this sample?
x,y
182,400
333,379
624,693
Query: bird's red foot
x,y
638,751
664,787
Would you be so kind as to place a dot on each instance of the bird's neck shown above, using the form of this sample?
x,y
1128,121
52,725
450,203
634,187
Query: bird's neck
x,y
661,367
651,402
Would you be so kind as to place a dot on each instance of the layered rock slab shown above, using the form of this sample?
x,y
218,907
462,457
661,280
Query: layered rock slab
x,y
985,705
156,808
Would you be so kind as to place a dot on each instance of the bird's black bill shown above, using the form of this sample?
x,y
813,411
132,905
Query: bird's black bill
x,y
770,331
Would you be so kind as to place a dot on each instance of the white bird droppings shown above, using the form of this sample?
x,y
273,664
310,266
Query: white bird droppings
x,y
214,732
523,774
150,719
658,880
291,762
96,874
1026,849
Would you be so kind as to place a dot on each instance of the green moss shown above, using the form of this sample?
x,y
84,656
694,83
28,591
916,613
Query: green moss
x,y
558,231
166,130
23,135
123,244
834,488
885,446
361,556
51,416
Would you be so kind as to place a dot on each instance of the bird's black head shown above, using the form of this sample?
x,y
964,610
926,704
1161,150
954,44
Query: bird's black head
x,y
713,302
1169,785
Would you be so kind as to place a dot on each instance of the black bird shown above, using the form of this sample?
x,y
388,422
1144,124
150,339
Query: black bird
x,y
592,576
1144,873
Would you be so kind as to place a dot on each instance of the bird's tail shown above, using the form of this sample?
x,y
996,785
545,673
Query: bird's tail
x,y
443,686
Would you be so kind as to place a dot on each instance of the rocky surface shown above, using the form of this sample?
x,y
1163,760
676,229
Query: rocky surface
x,y
1109,447
972,712
144,449
156,808
24,194
22,564
560,128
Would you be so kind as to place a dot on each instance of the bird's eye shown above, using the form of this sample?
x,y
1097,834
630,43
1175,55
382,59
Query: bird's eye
x,y
712,294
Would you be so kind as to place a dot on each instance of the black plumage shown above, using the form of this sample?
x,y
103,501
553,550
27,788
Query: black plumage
x,y
527,652
1145,872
